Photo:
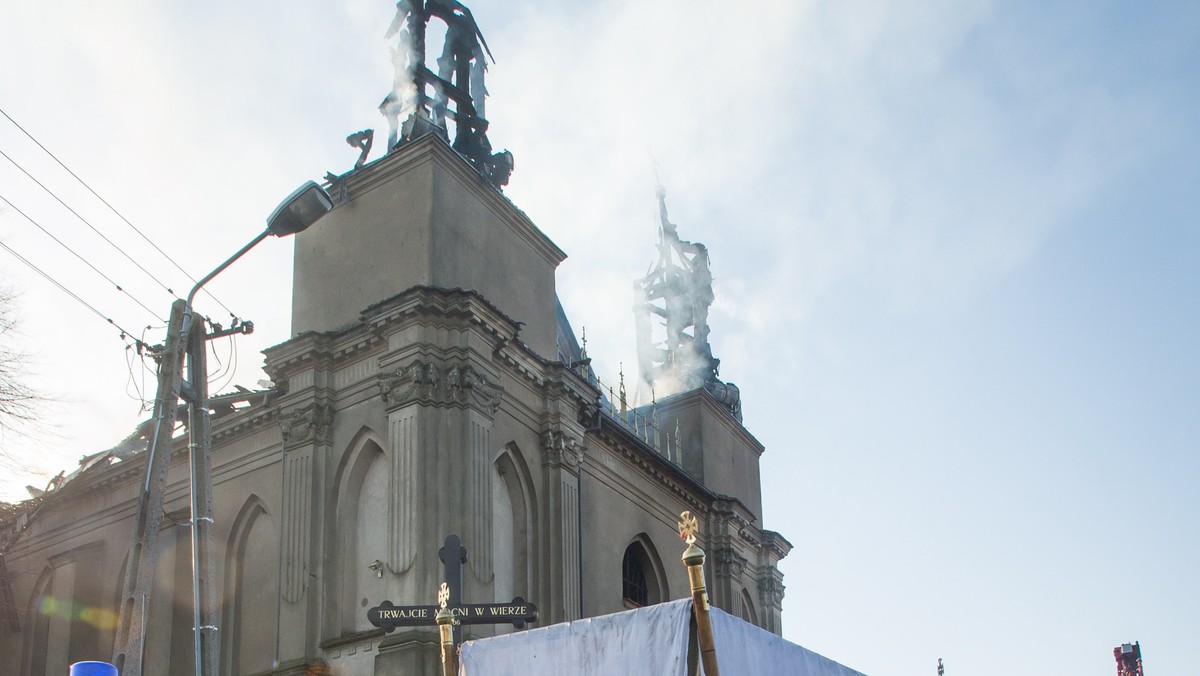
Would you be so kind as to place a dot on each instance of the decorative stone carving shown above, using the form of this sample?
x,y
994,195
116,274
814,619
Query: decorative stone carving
x,y
589,414
560,448
438,383
313,422
728,562
770,589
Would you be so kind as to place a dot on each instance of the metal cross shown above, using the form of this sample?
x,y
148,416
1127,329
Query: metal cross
x,y
688,527
443,596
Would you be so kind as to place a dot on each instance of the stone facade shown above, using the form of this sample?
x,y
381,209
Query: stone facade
x,y
426,392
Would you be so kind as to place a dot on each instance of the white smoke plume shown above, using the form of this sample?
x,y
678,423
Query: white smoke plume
x,y
671,316
403,96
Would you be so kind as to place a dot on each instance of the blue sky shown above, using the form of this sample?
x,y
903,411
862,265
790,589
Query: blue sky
x,y
955,247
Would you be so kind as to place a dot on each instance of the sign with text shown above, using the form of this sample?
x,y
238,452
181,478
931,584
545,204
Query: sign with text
x,y
517,612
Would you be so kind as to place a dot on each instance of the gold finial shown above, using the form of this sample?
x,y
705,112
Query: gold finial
x,y
446,622
689,526
693,558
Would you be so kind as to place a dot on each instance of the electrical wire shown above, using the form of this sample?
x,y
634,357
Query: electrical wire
x,y
77,255
124,334
114,210
146,358
138,381
88,224
138,388
233,360
222,366
229,373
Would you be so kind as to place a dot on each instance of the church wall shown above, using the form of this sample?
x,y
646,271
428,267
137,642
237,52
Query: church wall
x,y
326,295
731,459
717,450
611,524
620,502
474,247
454,231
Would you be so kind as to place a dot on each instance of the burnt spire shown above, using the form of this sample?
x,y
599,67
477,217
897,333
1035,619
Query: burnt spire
x,y
427,101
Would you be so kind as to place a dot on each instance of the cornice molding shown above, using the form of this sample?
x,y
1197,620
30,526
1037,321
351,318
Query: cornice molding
x,y
652,465
667,406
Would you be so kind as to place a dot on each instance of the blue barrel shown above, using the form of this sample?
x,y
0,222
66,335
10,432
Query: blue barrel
x,y
93,669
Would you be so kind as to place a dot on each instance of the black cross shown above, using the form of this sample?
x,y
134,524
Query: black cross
x,y
453,555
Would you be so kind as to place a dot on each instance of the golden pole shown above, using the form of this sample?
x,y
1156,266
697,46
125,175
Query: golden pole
x,y
693,558
446,622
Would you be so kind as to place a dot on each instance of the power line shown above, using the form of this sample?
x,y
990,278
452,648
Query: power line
x,y
114,210
85,222
77,255
55,282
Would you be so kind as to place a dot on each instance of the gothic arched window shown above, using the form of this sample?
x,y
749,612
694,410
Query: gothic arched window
x,y
634,590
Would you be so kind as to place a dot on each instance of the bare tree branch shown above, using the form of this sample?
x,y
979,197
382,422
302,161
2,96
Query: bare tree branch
x,y
18,401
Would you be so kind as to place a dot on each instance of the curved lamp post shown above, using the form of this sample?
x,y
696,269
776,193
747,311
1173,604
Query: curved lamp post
x,y
300,210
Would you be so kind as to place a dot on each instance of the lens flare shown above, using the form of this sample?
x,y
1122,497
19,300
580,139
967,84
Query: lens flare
x,y
100,618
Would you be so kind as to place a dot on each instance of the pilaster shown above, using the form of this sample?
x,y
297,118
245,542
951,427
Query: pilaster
x,y
729,551
440,420
562,455
770,582
306,431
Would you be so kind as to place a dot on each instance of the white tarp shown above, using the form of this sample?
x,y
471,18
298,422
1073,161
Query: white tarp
x,y
650,641
744,649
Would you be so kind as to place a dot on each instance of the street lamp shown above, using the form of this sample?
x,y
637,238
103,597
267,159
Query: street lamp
x,y
300,210
296,213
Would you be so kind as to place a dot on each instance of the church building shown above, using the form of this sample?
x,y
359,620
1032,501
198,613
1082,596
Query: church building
x,y
432,386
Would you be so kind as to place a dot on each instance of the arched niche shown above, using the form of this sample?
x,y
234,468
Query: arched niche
x,y
362,498
37,637
251,591
746,609
514,519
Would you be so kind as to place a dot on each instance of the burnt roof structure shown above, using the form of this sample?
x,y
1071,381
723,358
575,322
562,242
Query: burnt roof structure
x,y
671,314
455,92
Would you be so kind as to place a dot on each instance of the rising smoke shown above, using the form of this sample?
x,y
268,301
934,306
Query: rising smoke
x,y
671,316
405,58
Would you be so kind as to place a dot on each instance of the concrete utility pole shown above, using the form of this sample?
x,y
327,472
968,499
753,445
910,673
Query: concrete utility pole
x,y
143,557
